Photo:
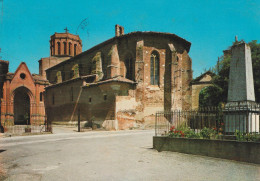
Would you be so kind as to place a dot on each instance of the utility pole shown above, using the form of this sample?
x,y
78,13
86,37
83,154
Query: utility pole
x,y
78,120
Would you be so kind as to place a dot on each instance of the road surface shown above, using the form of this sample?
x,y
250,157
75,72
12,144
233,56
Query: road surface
x,y
114,155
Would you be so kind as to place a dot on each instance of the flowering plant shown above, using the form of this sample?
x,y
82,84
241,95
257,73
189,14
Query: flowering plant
x,y
183,132
176,133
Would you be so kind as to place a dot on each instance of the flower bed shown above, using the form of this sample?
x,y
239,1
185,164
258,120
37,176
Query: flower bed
x,y
211,133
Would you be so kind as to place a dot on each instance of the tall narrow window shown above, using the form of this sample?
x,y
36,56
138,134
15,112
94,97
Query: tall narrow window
x,y
154,68
71,91
65,48
52,48
58,48
41,97
75,50
129,68
69,48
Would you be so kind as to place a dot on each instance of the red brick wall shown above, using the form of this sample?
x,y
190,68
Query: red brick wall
x,y
11,86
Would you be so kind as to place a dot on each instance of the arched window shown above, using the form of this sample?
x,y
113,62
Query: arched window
x,y
154,68
75,50
58,77
96,65
41,99
129,68
75,71
65,48
69,48
58,48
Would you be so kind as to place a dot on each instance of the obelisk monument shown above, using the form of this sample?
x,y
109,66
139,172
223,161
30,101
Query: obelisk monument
x,y
241,95
241,82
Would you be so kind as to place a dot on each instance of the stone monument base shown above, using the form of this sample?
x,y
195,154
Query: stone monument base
x,y
242,116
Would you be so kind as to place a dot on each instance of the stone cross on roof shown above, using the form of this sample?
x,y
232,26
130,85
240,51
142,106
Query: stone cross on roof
x,y
66,29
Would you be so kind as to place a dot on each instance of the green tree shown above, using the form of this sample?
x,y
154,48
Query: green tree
x,y
209,96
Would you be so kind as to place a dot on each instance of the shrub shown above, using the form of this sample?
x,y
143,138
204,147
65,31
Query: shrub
x,y
240,136
206,133
191,134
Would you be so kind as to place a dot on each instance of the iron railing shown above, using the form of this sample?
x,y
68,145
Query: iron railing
x,y
242,118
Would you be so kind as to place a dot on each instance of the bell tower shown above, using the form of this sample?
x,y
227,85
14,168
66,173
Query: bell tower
x,y
65,44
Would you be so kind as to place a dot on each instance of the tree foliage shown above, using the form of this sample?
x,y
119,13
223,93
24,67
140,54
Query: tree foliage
x,y
209,96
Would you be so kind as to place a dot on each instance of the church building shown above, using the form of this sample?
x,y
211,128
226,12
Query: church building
x,y
121,82
118,84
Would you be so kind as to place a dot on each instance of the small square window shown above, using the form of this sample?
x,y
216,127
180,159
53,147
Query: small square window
x,y
89,99
105,97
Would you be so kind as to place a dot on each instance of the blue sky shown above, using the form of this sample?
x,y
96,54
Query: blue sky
x,y
211,26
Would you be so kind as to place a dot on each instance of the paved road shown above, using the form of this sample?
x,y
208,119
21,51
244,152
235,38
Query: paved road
x,y
101,155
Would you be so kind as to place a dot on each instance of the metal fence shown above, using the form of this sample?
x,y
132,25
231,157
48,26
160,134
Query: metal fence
x,y
241,117
35,122
37,127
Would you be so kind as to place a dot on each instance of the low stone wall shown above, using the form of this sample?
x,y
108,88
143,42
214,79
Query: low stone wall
x,y
227,149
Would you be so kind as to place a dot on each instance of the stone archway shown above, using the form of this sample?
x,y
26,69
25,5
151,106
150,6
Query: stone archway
x,y
21,106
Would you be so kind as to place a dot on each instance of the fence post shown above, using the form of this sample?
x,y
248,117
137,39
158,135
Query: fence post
x,y
78,120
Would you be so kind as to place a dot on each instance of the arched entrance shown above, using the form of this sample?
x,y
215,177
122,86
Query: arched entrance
x,y
21,106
